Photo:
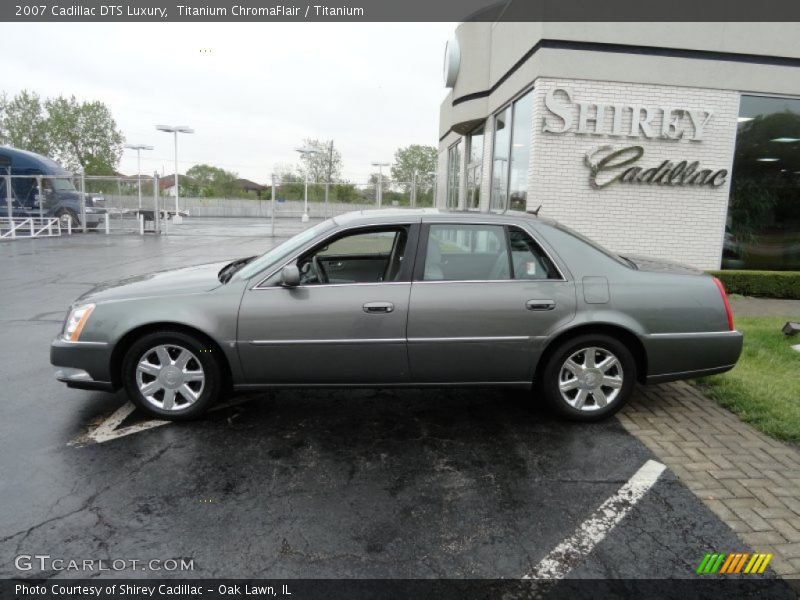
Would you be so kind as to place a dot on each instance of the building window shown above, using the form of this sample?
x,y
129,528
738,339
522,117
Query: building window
x,y
475,169
453,172
511,153
500,147
763,226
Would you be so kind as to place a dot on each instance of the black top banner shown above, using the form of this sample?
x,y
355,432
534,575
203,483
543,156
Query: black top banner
x,y
398,10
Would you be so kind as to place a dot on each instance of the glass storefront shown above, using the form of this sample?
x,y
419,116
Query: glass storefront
x,y
502,137
474,169
511,152
763,225
520,152
453,170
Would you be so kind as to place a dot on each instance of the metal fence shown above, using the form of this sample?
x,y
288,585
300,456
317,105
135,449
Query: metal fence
x,y
112,204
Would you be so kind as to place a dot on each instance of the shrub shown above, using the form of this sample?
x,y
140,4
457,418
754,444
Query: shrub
x,y
769,284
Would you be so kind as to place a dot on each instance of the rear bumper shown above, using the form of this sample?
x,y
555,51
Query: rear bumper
x,y
82,365
673,356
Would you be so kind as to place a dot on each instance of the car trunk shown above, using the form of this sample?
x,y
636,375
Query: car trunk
x,y
658,265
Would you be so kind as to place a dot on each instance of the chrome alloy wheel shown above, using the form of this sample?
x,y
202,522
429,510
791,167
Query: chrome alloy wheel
x,y
590,379
170,377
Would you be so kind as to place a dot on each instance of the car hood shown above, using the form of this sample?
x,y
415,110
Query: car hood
x,y
187,280
659,265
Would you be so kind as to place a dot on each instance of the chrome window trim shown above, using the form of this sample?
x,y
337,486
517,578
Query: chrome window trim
x,y
331,285
441,281
333,233
502,223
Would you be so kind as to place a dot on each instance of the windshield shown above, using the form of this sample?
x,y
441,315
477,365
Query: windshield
x,y
62,185
285,249
612,255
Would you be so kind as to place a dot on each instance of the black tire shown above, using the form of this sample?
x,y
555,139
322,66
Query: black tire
x,y
551,377
209,391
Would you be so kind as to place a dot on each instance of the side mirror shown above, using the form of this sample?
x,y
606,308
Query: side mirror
x,y
290,276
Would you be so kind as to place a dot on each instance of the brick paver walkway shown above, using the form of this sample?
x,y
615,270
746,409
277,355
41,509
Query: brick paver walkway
x,y
751,481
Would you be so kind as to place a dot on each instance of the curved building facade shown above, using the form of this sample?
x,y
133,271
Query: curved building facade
x,y
680,140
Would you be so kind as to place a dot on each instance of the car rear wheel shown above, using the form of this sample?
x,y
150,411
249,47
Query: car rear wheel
x,y
588,378
172,375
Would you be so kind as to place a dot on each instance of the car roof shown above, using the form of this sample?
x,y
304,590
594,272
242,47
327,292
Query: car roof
x,y
431,215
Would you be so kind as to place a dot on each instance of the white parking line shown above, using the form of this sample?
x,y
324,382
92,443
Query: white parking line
x,y
109,429
569,553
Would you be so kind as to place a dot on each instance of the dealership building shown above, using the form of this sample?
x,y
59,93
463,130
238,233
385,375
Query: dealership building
x,y
677,140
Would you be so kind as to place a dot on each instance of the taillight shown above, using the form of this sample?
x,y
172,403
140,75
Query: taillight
x,y
728,311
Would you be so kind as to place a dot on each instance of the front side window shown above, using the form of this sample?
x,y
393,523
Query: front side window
x,y
283,250
453,172
372,256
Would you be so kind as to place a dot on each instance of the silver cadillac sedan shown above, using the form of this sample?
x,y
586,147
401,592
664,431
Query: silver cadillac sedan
x,y
404,298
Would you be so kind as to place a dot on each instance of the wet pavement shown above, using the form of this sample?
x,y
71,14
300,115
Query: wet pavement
x,y
324,483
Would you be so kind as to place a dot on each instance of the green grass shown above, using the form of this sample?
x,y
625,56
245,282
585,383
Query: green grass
x,y
764,387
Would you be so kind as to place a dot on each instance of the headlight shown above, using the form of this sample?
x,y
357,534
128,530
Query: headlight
x,y
78,317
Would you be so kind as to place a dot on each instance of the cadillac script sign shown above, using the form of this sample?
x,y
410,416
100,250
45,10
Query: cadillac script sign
x,y
609,164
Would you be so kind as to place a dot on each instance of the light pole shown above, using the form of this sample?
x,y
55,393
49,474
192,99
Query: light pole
x,y
176,129
139,148
379,189
306,153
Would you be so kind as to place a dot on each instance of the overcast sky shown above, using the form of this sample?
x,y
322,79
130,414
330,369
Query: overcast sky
x,y
254,93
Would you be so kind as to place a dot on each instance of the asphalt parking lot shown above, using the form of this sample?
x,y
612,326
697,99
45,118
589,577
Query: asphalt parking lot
x,y
325,483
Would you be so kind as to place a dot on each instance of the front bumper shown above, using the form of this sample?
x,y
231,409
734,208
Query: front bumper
x,y
676,356
82,365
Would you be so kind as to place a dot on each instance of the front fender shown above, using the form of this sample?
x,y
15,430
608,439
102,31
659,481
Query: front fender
x,y
213,313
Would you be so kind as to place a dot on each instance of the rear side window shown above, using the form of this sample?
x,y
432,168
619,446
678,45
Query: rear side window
x,y
528,259
466,252
484,253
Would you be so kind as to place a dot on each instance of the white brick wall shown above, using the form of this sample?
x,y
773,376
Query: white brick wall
x,y
682,223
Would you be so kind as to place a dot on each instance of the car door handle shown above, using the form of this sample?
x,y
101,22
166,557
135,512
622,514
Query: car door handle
x,y
378,307
540,304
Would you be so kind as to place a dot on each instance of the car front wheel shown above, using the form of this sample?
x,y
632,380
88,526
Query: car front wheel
x,y
172,375
588,378
67,217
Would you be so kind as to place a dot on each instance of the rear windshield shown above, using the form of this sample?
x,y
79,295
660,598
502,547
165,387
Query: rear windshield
x,y
612,255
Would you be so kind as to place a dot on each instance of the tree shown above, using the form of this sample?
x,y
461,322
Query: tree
x,y
23,122
83,135
325,165
415,158
213,182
